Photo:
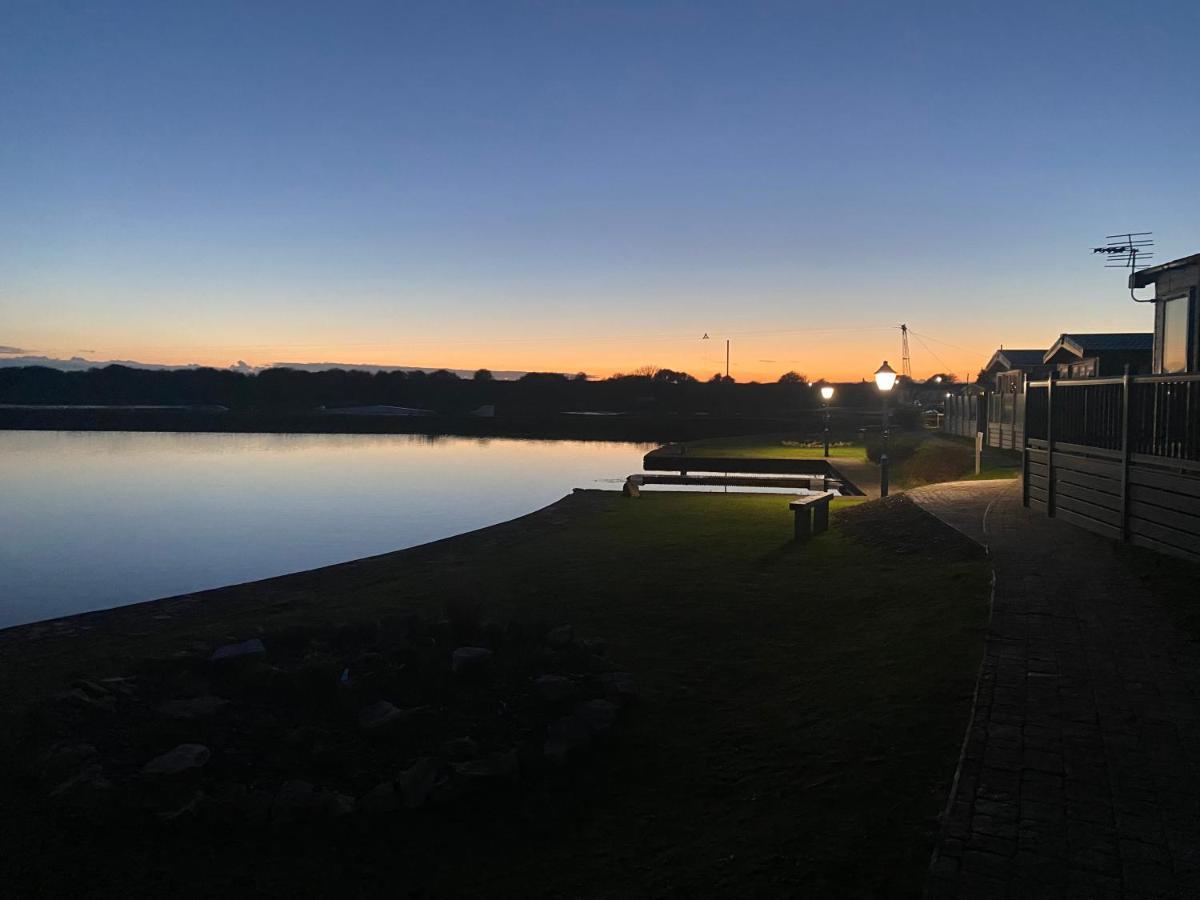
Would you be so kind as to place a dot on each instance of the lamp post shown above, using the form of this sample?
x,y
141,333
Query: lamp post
x,y
885,380
826,396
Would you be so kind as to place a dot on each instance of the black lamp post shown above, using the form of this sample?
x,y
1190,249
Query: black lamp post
x,y
826,396
885,380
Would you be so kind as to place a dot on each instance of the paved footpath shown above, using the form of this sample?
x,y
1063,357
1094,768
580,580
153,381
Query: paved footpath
x,y
860,473
1080,774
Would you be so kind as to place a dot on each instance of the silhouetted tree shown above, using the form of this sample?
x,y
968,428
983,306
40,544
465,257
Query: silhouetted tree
x,y
670,376
482,375
792,377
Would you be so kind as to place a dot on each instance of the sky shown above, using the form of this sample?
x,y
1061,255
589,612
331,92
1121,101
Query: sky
x,y
585,186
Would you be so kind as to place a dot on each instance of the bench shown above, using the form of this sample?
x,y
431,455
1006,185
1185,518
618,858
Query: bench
x,y
812,513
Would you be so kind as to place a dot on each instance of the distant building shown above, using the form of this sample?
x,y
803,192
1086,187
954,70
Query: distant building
x,y
1096,355
1176,314
1008,370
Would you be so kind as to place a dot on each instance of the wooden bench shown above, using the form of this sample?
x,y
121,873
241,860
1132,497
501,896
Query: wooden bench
x,y
812,514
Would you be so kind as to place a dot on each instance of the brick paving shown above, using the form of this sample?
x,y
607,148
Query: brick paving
x,y
1080,773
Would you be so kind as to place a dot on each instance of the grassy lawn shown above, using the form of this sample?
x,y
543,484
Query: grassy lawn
x,y
918,457
799,722
766,446
929,458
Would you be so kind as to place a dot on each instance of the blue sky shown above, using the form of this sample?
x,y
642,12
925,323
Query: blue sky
x,y
584,185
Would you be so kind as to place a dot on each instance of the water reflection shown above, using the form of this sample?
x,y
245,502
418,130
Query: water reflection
x,y
98,519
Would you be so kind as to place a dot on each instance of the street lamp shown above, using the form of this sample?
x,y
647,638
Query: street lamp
x,y
826,396
885,380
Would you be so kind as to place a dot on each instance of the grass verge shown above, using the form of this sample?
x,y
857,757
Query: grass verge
x,y
801,709
765,446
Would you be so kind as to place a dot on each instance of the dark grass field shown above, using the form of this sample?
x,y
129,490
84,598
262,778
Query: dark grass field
x,y
799,722
918,457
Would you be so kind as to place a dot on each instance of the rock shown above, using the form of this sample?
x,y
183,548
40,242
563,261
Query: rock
x,y
460,749
294,800
304,736
419,781
91,688
380,800
619,687
467,660
88,788
492,767
598,715
568,734
493,633
554,688
182,808
367,671
120,685
254,805
184,758
334,805
80,699
560,637
380,716
62,758
193,708
252,647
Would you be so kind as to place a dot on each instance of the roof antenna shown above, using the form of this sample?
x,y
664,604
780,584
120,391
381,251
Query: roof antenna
x,y
1129,251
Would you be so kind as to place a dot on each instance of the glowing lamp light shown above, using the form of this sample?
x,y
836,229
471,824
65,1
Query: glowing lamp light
x,y
938,379
826,392
885,377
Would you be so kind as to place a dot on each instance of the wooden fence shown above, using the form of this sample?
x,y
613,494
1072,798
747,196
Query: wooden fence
x,y
962,416
1118,456
1000,415
1006,420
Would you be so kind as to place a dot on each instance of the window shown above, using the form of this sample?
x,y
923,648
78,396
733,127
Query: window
x,y
1175,335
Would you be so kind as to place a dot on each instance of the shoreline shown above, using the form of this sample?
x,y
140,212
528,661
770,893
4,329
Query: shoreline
x,y
200,614
550,426
730,627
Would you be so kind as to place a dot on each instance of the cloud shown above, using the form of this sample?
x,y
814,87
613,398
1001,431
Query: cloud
x,y
85,351
12,350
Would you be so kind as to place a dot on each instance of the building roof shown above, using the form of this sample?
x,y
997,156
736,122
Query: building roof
x,y
1016,359
1150,275
1083,345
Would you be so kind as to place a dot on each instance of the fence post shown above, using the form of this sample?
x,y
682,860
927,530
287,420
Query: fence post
x,y
1125,390
1050,446
1024,444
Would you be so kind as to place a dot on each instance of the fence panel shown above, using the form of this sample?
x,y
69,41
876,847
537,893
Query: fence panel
x,y
1119,457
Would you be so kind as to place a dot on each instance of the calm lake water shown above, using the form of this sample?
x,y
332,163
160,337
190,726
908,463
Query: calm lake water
x,y
92,520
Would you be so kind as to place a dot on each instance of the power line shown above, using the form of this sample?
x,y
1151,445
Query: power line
x,y
948,344
941,362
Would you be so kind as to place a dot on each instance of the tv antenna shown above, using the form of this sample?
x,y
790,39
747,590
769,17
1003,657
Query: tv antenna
x,y
1128,251
905,359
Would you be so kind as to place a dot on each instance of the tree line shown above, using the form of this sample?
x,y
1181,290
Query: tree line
x,y
649,390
